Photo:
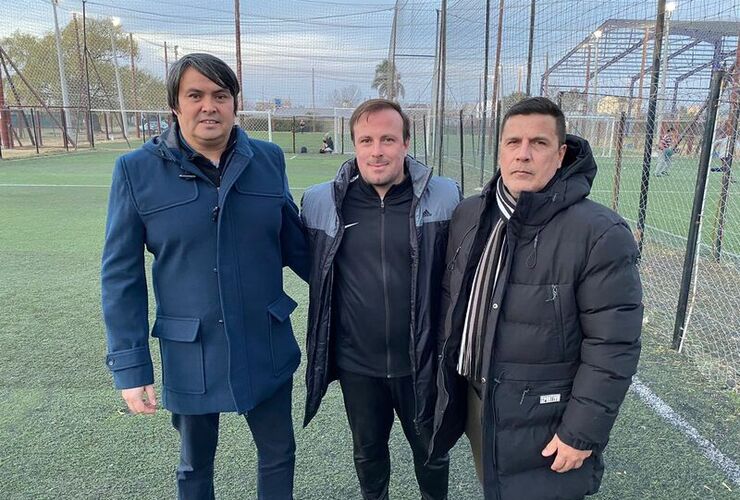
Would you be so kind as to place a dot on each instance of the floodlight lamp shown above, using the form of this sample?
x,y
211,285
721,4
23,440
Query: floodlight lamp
x,y
670,6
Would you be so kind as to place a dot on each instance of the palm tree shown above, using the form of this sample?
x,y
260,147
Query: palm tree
x,y
388,80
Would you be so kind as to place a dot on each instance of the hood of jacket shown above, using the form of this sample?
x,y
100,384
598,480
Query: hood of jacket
x,y
167,145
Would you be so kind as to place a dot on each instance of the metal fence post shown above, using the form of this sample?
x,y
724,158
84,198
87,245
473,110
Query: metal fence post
x,y
65,130
33,127
497,134
618,161
424,125
726,160
413,126
462,154
650,127
692,244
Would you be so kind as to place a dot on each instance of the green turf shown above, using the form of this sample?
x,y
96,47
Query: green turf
x,y
65,435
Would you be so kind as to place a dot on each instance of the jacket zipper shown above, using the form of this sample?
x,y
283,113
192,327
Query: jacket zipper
x,y
557,305
385,290
451,265
491,404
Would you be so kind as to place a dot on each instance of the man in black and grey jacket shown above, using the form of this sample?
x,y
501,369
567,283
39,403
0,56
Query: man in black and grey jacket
x,y
378,234
543,308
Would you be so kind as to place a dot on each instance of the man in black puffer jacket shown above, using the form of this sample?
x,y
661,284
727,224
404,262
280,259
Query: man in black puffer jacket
x,y
543,308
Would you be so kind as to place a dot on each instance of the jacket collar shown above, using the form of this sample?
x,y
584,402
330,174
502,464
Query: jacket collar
x,y
419,173
168,147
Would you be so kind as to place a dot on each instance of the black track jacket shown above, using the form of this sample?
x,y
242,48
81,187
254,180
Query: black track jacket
x,y
434,199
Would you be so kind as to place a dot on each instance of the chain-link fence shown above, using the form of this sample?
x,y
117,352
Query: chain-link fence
x,y
104,62
600,61
79,73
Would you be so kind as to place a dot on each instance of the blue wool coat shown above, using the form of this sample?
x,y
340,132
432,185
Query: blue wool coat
x,y
222,319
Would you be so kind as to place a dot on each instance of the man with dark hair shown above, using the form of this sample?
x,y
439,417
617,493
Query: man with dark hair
x,y
378,233
213,208
543,312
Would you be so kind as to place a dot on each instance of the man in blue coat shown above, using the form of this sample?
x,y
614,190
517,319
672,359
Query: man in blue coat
x,y
213,208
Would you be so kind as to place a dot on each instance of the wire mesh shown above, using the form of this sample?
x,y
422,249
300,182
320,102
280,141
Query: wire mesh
x,y
456,66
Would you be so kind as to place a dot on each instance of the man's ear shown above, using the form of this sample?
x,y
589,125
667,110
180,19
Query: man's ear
x,y
561,153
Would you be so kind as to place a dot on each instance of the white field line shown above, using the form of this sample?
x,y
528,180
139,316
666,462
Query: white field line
x,y
707,448
98,186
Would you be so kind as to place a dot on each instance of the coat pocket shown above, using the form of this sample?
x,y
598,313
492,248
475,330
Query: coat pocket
x,y
182,354
527,416
284,349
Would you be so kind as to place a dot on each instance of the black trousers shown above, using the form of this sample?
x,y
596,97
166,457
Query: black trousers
x,y
370,403
272,430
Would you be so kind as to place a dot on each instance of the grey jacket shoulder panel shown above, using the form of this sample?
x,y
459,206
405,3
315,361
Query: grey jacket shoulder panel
x,y
438,201
319,209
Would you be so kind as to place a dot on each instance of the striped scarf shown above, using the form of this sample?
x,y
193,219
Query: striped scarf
x,y
484,283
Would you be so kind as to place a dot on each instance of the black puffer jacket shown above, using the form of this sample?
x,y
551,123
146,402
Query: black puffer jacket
x,y
433,202
566,321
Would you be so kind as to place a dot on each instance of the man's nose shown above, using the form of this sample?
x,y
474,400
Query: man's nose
x,y
524,152
208,104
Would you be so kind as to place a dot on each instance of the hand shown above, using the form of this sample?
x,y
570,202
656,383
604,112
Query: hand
x,y
134,398
566,457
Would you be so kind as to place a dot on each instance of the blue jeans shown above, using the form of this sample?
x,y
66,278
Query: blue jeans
x,y
271,424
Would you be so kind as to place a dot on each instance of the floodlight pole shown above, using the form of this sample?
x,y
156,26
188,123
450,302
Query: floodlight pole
x,y
531,47
60,59
485,95
664,71
392,91
90,130
650,128
238,36
496,74
134,94
114,52
442,84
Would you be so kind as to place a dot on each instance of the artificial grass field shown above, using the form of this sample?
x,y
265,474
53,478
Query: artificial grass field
x,y
64,432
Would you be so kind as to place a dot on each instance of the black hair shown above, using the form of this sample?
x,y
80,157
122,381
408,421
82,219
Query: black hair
x,y
539,106
209,66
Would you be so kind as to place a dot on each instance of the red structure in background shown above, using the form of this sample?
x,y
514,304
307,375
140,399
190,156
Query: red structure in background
x,y
4,119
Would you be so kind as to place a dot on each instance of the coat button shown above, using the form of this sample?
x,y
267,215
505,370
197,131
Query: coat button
x,y
111,362
215,270
220,322
494,306
483,380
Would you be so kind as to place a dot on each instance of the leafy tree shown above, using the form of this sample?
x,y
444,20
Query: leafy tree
x,y
388,80
36,59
